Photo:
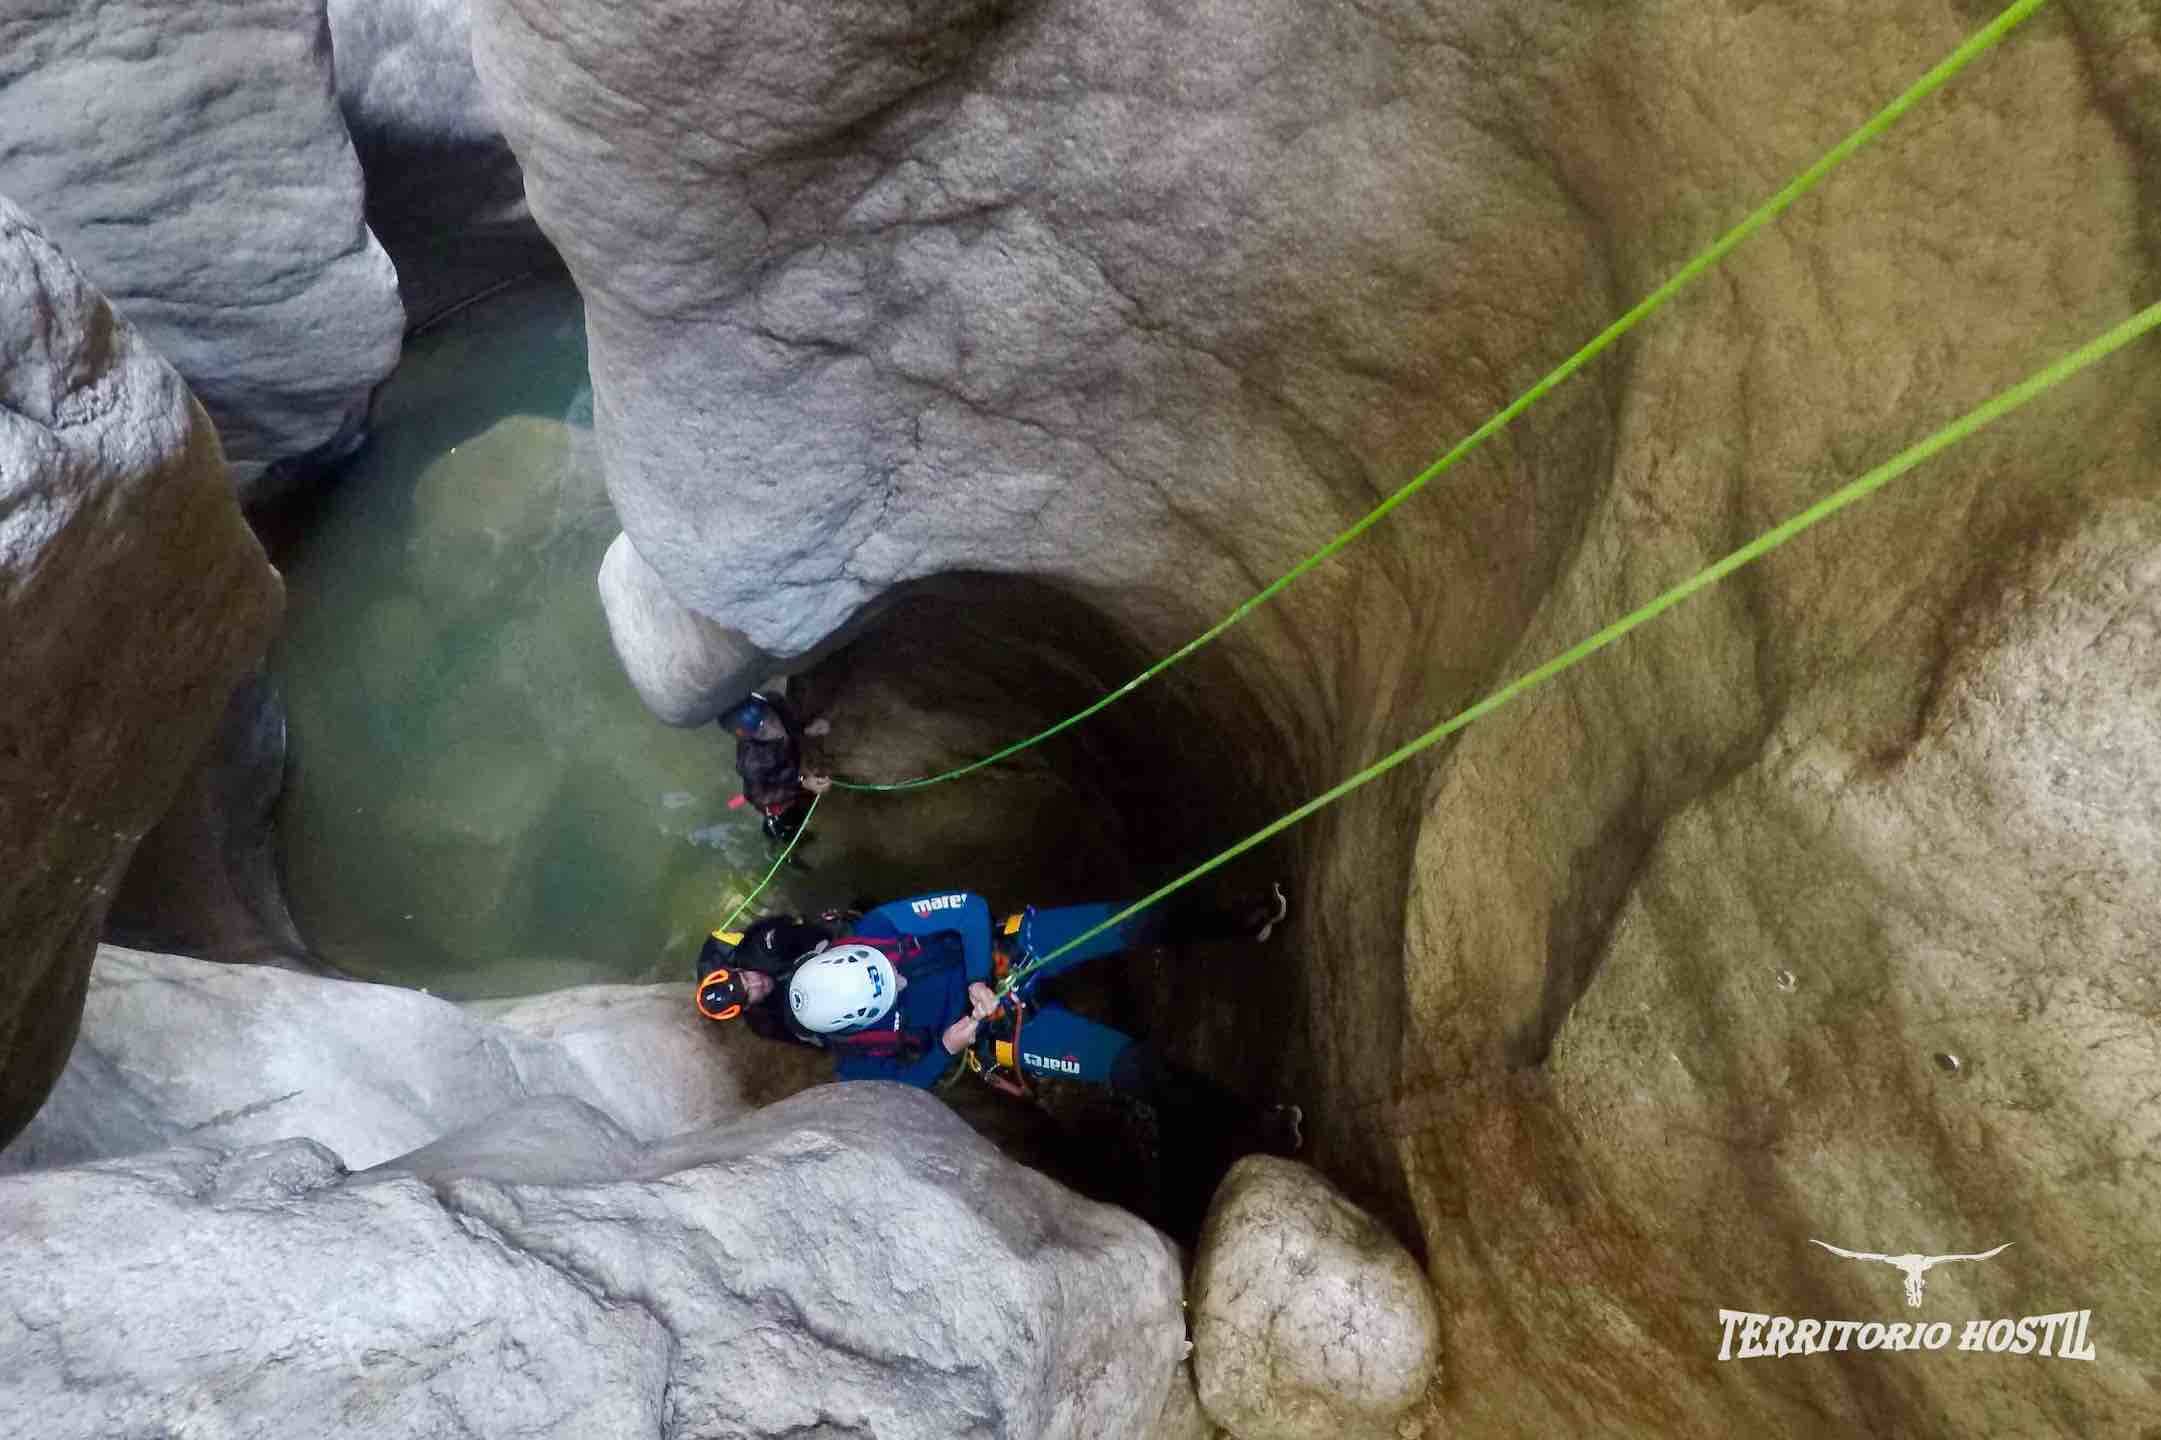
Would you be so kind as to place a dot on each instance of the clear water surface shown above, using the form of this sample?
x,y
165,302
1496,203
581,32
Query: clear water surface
x,y
478,803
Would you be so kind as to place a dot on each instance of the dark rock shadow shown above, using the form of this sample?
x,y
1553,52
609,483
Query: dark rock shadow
x,y
960,666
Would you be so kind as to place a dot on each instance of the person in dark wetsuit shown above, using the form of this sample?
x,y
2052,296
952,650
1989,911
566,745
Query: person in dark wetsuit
x,y
742,976
769,758
898,993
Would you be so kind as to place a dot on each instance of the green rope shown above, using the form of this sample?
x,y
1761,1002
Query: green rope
x,y
793,841
1975,46
1977,419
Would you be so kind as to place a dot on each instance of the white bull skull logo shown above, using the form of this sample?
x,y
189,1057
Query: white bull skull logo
x,y
1915,1266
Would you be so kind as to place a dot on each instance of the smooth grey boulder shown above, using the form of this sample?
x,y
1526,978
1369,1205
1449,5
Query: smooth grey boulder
x,y
650,1061
178,1051
850,1261
444,193
684,667
773,336
191,159
132,599
249,1293
1308,1317
405,71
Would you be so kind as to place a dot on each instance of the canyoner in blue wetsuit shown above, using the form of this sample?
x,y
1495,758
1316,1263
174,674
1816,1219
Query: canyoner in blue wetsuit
x,y
903,993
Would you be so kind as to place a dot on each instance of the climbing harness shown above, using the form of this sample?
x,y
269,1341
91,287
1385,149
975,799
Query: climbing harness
x,y
994,1058
1976,45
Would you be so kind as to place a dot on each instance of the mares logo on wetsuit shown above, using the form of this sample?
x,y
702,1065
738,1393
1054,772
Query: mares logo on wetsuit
x,y
937,902
1069,1065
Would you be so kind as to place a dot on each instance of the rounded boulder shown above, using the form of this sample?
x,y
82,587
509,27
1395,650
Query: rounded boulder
x,y
1309,1317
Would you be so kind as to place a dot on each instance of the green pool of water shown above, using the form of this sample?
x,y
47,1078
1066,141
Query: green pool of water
x,y
477,802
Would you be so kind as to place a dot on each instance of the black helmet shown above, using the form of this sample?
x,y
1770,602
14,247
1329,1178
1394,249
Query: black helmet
x,y
722,995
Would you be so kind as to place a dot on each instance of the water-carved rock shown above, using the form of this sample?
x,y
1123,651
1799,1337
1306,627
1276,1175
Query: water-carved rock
x,y
445,195
191,159
1147,301
179,1051
684,667
851,1260
132,600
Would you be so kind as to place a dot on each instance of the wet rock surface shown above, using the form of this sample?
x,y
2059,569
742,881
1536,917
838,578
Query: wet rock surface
x,y
205,880
132,599
800,1271
191,159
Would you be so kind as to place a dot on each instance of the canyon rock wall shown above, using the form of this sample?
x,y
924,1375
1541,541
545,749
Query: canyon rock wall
x,y
191,159
1616,1003
175,1051
132,599
444,193
852,1260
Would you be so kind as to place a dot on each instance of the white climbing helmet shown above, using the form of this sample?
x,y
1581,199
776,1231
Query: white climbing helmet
x,y
843,989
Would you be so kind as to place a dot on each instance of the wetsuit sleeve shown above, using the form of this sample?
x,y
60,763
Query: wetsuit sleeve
x,y
921,915
924,1072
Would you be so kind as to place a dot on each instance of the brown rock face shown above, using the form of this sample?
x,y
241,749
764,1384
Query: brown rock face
x,y
132,598
204,881
1616,1003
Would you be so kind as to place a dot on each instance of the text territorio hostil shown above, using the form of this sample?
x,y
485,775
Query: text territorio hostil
x,y
1748,1335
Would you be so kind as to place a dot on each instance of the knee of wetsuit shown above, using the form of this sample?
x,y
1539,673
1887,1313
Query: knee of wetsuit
x,y
1136,1070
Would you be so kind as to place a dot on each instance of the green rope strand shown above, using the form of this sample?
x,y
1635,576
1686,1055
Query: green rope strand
x,y
1974,420
793,841
1975,46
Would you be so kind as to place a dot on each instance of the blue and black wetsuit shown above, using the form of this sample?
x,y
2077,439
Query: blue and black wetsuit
x,y
943,945
942,942
955,929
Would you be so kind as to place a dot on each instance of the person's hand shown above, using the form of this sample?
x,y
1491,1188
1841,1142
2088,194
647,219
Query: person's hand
x,y
959,1035
982,1000
819,726
817,784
